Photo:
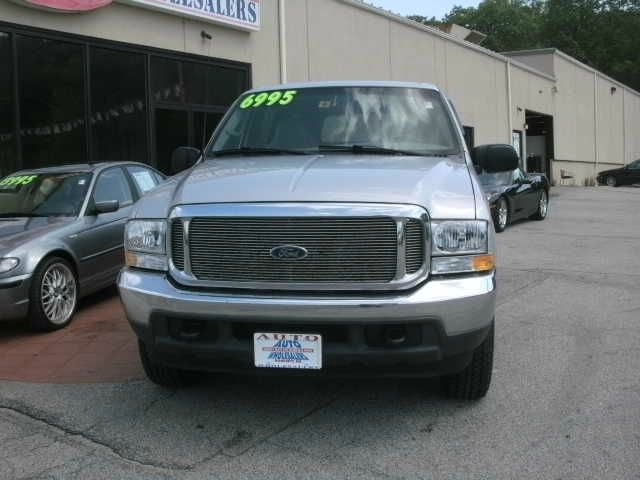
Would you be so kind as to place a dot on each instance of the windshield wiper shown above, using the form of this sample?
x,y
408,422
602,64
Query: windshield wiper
x,y
256,151
21,215
372,149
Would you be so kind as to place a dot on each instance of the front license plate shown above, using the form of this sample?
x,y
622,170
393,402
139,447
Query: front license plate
x,y
288,350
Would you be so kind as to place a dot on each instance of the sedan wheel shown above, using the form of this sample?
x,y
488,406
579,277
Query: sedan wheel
x,y
54,295
611,181
501,215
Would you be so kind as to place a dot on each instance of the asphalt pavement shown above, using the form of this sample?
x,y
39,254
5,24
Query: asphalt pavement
x,y
565,402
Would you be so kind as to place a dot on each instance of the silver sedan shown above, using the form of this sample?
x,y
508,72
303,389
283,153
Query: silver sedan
x,y
61,236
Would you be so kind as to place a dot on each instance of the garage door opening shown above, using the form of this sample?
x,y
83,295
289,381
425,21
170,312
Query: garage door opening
x,y
539,144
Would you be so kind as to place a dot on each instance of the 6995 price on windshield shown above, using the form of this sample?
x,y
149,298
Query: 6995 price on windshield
x,y
269,99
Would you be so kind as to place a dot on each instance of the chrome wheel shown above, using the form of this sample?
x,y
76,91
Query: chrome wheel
x,y
58,293
611,181
503,213
544,205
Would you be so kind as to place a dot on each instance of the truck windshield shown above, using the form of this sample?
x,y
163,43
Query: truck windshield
x,y
375,120
43,195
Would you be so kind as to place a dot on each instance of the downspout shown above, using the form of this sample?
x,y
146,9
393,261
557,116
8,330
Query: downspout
x,y
624,128
510,109
595,123
283,40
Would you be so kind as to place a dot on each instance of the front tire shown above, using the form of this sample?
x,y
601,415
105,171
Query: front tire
x,y
53,298
501,215
612,181
473,382
162,375
543,206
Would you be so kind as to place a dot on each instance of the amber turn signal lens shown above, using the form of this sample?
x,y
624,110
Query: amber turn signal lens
x,y
484,263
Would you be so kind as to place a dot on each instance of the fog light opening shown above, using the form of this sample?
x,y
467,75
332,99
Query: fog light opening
x,y
395,336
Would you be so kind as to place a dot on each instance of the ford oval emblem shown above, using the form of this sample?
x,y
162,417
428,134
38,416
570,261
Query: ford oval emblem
x,y
289,252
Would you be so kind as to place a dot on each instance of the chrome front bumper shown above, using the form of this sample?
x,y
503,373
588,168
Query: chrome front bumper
x,y
14,297
460,305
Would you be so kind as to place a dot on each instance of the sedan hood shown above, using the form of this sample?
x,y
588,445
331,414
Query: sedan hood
x,y
441,185
15,232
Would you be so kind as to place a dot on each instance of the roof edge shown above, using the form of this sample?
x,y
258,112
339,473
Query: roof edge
x,y
573,60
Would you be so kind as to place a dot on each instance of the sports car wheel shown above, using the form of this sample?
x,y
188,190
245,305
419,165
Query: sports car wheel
x,y
543,206
501,215
611,181
54,295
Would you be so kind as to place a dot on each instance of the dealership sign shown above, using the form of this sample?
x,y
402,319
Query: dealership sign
x,y
243,14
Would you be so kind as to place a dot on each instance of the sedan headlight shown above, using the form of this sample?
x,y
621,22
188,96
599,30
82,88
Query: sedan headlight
x,y
461,247
145,244
8,264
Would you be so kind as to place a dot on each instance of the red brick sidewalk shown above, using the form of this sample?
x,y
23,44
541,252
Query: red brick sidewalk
x,y
98,346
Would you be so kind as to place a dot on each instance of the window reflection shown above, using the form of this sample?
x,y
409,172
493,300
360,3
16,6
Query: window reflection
x,y
7,140
52,112
118,106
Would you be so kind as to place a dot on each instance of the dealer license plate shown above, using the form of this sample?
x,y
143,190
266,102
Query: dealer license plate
x,y
288,350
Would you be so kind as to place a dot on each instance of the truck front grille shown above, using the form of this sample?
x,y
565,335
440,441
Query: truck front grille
x,y
340,252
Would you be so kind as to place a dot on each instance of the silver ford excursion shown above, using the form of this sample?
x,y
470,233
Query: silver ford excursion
x,y
331,228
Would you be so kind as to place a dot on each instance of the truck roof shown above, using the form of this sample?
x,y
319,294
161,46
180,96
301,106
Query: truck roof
x,y
349,83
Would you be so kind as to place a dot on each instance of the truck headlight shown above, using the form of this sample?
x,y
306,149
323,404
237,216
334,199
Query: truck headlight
x,y
8,264
461,247
145,244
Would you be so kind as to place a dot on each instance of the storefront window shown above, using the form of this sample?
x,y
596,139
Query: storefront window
x,y
7,140
212,85
194,83
167,83
118,106
52,100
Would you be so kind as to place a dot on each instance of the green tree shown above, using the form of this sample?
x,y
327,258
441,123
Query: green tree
x,y
602,33
509,25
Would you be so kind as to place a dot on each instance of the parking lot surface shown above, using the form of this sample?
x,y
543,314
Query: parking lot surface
x,y
565,402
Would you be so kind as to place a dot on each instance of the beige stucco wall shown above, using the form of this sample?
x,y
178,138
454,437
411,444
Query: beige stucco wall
x,y
632,126
594,128
139,26
529,92
574,117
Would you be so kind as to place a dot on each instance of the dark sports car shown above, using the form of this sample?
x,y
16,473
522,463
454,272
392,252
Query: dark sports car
x,y
627,175
514,195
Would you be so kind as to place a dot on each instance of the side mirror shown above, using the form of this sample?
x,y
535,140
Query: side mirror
x,y
108,206
495,158
183,158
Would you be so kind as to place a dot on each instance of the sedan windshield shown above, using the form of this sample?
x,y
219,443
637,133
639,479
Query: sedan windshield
x,y
43,194
367,120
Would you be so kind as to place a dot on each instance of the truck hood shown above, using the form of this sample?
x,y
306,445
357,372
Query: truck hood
x,y
442,185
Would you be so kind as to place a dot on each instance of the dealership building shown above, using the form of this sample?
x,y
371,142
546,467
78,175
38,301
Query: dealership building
x,y
96,80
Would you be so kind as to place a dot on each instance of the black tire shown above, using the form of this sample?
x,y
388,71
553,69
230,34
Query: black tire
x,y
611,181
162,375
499,226
473,382
38,319
541,212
